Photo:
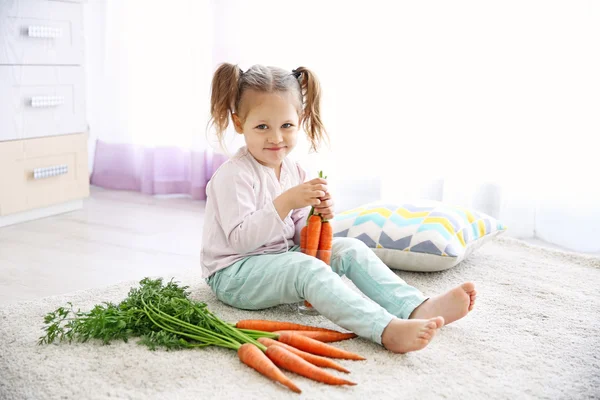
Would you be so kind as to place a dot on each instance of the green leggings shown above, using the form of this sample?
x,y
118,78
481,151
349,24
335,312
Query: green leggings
x,y
268,280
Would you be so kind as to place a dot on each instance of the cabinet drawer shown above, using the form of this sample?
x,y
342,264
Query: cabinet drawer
x,y
41,172
41,101
36,32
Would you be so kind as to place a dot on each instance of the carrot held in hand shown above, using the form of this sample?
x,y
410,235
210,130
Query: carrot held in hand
x,y
311,358
252,356
326,337
315,347
325,243
287,360
303,238
312,235
312,239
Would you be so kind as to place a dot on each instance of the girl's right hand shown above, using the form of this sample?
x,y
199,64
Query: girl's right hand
x,y
306,194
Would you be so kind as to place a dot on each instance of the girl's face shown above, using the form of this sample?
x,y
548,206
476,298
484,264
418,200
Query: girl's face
x,y
271,126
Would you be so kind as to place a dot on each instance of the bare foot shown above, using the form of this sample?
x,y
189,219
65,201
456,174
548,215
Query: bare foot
x,y
452,305
402,336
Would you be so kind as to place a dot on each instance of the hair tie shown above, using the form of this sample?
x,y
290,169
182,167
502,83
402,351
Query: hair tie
x,y
296,73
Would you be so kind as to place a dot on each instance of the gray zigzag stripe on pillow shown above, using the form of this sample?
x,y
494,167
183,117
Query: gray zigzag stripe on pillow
x,y
452,220
451,250
467,235
367,240
412,208
399,244
488,226
343,233
426,247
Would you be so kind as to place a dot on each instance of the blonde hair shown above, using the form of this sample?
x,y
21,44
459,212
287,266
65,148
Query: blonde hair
x,y
229,83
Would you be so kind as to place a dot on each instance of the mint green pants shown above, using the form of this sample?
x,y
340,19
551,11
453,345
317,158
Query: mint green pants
x,y
268,280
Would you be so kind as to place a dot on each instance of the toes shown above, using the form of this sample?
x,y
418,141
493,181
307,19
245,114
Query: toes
x,y
468,287
472,304
439,321
435,323
425,335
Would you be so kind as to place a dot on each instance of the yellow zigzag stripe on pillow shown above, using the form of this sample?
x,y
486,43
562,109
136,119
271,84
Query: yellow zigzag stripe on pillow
x,y
381,211
461,238
481,226
409,214
470,216
442,221
355,210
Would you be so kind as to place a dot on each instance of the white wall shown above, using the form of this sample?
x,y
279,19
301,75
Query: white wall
x,y
436,99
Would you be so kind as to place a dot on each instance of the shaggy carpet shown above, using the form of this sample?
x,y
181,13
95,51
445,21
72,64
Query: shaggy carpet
x,y
535,333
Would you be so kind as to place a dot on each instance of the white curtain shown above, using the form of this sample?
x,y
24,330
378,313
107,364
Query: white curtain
x,y
488,105
148,71
491,105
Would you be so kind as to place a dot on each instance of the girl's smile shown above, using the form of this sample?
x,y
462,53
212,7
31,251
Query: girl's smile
x,y
269,122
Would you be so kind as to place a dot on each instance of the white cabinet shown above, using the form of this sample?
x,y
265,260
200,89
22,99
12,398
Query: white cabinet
x,y
34,32
43,139
40,101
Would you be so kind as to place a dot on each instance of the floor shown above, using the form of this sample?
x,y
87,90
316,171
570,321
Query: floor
x,y
117,236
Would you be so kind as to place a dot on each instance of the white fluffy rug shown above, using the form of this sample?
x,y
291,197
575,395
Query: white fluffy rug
x,y
535,333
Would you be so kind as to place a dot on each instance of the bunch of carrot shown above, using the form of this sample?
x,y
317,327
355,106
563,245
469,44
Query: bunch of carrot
x,y
316,237
291,347
164,315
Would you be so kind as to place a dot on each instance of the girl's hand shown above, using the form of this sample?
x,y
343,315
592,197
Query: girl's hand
x,y
303,195
306,194
325,208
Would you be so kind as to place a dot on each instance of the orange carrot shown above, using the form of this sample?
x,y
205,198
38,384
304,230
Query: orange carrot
x,y
315,347
326,337
313,242
303,238
313,234
272,326
325,243
287,360
252,356
311,358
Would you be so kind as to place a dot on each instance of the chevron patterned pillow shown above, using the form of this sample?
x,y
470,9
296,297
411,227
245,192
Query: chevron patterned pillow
x,y
418,236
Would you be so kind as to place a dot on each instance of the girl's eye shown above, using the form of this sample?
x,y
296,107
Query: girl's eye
x,y
262,127
287,125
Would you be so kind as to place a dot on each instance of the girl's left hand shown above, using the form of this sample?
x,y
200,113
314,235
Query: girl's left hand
x,y
326,207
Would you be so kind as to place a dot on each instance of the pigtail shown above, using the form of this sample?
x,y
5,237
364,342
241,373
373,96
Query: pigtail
x,y
311,110
224,97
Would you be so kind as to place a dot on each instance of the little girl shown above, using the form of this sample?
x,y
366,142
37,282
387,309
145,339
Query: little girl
x,y
258,201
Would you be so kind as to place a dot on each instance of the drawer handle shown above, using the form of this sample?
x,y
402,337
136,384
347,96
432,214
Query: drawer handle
x,y
47,101
47,172
39,31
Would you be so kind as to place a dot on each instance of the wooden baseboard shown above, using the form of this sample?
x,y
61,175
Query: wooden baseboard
x,y
43,212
